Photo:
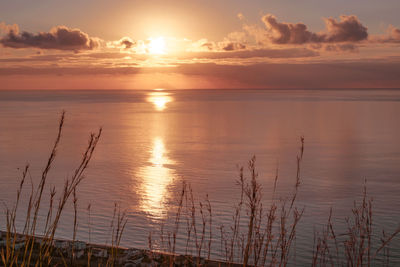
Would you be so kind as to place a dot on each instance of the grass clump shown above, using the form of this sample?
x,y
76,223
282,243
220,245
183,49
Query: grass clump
x,y
33,248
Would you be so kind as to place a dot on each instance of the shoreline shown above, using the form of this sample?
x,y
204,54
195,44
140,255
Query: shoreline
x,y
79,253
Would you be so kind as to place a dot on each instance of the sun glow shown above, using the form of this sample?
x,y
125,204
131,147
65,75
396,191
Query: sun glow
x,y
157,46
159,99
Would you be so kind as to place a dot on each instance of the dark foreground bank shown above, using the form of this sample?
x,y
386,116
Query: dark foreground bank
x,y
78,253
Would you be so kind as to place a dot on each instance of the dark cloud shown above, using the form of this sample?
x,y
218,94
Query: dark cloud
x,y
233,46
289,33
348,29
341,47
125,43
60,38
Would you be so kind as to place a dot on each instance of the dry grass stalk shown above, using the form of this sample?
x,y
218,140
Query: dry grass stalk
x,y
177,223
209,209
253,194
24,257
89,251
118,224
356,248
75,203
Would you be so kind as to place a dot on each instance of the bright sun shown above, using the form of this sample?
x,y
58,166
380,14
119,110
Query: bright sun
x,y
157,46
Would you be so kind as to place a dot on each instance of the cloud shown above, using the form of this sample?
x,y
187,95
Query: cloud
x,y
60,38
207,45
123,43
392,36
262,53
288,33
341,47
5,28
38,58
362,74
67,57
228,44
233,46
348,29
127,42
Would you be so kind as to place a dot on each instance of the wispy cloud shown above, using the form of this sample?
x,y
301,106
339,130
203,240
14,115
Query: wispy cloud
x,y
253,53
392,36
363,74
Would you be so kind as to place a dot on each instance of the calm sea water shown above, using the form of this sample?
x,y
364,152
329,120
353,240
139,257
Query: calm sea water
x,y
153,140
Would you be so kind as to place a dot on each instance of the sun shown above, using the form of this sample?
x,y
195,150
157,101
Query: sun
x,y
157,46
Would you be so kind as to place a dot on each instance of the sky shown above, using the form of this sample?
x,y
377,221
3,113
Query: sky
x,y
137,44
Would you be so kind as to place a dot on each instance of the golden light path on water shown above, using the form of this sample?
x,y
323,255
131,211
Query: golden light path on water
x,y
156,178
157,175
159,99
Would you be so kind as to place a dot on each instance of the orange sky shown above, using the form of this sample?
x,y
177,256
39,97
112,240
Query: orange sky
x,y
171,50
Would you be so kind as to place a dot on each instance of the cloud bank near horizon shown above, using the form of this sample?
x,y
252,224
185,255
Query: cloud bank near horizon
x,y
262,75
339,35
272,54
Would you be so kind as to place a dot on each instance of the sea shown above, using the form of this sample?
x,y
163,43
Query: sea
x,y
154,141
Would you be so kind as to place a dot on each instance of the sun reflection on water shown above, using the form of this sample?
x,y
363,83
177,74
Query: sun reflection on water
x,y
159,99
156,178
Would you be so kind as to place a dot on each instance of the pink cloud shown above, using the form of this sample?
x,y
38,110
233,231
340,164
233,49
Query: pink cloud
x,y
392,36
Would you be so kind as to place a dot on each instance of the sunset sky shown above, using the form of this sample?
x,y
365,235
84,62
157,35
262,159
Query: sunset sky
x,y
121,44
